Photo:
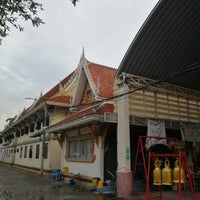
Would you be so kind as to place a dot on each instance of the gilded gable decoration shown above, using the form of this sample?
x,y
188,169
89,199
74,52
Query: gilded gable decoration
x,y
94,88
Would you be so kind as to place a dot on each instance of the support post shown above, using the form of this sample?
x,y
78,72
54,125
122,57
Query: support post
x,y
124,173
43,141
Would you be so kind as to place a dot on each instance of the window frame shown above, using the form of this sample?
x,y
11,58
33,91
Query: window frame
x,y
37,151
79,144
45,150
25,151
30,152
21,152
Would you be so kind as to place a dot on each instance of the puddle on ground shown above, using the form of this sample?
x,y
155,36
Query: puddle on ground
x,y
51,195
5,195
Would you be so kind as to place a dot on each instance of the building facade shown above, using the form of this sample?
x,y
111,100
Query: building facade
x,y
68,126
86,131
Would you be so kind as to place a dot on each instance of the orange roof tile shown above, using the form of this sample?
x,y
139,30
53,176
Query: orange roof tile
x,y
61,99
106,108
104,78
55,89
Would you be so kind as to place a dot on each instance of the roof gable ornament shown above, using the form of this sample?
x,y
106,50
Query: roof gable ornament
x,y
60,87
83,53
82,62
94,88
41,94
82,79
90,77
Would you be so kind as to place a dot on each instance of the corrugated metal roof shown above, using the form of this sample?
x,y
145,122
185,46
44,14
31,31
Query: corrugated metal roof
x,y
167,43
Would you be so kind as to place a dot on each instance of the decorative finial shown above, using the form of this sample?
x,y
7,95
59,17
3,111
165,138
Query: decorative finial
x,y
41,94
60,86
83,53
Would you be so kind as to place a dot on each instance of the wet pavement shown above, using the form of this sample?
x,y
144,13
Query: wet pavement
x,y
20,184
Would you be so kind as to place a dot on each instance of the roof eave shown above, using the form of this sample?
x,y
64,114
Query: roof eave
x,y
74,123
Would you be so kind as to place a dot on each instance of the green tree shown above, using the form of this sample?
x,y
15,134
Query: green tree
x,y
74,2
12,10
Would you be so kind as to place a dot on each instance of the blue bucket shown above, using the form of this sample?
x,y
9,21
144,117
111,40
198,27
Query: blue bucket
x,y
71,181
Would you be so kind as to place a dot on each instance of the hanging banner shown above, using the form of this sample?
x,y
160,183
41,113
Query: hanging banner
x,y
190,133
156,129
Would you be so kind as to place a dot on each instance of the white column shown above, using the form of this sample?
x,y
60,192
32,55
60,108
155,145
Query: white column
x,y
124,173
123,131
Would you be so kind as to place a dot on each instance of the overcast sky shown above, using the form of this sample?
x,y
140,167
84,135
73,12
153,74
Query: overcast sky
x,y
38,58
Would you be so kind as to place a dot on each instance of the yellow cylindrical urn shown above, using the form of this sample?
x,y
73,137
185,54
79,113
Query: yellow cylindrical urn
x,y
157,173
176,173
167,173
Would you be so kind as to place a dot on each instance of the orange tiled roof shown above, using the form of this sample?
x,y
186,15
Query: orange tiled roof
x,y
104,78
62,99
106,108
48,95
55,89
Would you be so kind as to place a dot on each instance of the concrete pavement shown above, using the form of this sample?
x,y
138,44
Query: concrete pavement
x,y
20,184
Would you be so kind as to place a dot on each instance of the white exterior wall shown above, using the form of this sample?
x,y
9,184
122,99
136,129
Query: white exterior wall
x,y
29,162
52,161
11,153
89,169
7,154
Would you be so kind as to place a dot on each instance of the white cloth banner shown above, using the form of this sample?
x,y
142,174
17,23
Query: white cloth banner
x,y
155,129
